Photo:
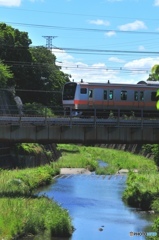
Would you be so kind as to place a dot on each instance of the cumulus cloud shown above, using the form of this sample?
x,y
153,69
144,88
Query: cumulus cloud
x,y
99,22
110,33
142,63
62,55
156,3
115,59
10,3
128,72
136,25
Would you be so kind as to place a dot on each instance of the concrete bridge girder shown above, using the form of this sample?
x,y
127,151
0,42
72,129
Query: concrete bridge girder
x,y
78,134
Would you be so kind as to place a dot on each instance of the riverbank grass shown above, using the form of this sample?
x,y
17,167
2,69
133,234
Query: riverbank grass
x,y
22,212
88,157
20,216
23,182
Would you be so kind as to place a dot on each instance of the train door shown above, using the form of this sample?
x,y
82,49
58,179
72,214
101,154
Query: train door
x,y
139,99
90,97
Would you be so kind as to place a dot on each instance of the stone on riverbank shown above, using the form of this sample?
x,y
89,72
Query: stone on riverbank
x,y
74,171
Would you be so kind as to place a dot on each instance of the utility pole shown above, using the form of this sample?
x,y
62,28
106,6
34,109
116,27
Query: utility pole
x,y
49,41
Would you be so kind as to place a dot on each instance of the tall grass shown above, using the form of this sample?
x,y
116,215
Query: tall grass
x,y
20,216
82,156
23,182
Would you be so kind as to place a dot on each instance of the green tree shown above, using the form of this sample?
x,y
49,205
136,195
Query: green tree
x,y
14,51
154,75
5,75
46,77
34,69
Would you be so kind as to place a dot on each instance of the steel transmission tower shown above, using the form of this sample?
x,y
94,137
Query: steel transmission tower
x,y
49,41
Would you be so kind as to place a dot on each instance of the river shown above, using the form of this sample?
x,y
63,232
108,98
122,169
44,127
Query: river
x,y
95,204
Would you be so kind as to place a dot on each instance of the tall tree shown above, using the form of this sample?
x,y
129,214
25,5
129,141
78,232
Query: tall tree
x,y
14,51
33,69
154,75
47,76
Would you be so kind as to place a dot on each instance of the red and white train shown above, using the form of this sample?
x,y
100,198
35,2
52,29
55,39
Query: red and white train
x,y
100,98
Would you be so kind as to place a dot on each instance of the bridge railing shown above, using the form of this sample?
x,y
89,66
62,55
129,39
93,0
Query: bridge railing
x,y
56,116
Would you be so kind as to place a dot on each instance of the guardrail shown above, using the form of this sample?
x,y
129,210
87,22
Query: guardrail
x,y
47,116
70,121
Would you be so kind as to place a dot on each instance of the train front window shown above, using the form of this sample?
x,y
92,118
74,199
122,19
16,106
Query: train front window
x,y
69,91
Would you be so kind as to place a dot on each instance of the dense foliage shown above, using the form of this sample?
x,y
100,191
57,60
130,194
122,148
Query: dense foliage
x,y
34,70
154,75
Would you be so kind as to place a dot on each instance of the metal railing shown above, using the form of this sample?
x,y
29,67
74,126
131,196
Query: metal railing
x,y
56,117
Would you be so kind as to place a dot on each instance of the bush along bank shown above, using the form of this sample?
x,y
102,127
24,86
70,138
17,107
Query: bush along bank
x,y
22,212
142,192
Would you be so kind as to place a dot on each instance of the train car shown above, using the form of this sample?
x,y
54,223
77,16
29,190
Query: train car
x,y
84,98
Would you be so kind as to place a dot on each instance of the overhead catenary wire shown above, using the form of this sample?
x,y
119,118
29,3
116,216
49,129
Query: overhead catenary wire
x,y
82,29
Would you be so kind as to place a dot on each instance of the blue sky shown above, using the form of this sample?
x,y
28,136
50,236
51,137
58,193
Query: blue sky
x,y
95,40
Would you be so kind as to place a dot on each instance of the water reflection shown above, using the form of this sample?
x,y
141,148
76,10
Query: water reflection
x,y
95,205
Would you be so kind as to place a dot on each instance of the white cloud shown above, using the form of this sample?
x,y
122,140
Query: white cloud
x,y
142,63
136,25
110,33
61,55
99,22
115,59
130,72
156,3
10,3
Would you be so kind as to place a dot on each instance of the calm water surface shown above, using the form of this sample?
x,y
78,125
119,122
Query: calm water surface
x,y
95,205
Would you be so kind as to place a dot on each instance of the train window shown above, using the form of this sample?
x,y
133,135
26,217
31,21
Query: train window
x,y
90,93
123,95
136,96
141,96
105,94
111,95
153,96
83,90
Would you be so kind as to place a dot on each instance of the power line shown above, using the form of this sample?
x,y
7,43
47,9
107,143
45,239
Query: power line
x,y
87,50
82,29
107,51
79,67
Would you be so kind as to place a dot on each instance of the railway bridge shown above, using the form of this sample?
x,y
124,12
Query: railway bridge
x,y
38,129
